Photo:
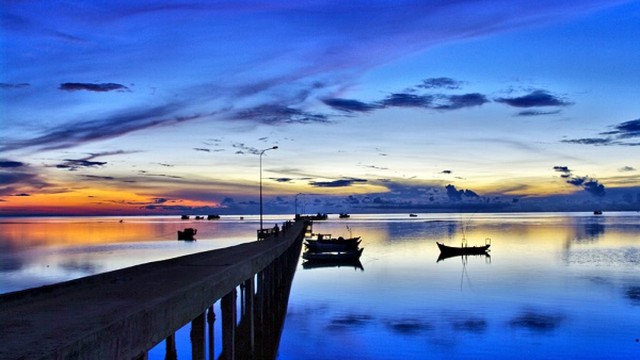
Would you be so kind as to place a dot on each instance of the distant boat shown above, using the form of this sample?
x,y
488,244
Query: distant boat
x,y
185,217
344,216
332,256
187,234
413,215
213,217
199,217
463,250
597,212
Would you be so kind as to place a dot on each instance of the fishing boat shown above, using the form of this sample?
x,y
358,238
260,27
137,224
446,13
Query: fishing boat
x,y
344,216
463,250
338,256
187,234
332,245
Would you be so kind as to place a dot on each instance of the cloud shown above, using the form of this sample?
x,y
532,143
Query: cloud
x,y
349,105
104,87
626,169
10,164
594,188
337,183
622,132
534,99
76,133
590,141
202,149
454,102
456,195
590,185
75,164
243,149
13,86
407,100
445,172
440,83
278,114
625,130
95,177
537,113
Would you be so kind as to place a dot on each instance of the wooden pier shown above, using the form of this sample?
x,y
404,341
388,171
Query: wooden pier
x,y
124,313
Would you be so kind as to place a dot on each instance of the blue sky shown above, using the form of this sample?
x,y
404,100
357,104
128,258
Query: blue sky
x,y
160,106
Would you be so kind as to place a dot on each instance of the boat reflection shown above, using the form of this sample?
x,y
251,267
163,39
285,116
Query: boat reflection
x,y
443,256
355,264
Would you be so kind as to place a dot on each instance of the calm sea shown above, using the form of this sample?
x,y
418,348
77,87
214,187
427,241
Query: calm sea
x,y
555,286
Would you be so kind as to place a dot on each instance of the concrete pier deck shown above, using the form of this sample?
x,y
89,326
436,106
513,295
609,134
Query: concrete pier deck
x,y
122,314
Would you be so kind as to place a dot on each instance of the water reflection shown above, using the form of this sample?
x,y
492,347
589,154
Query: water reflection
x,y
570,279
537,321
355,264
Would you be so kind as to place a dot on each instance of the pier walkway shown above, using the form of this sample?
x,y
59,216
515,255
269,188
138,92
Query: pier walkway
x,y
124,313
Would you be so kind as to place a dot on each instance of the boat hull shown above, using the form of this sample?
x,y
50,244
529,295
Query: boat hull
x,y
332,256
331,246
465,250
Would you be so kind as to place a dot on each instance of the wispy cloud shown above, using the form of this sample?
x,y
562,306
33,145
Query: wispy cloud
x,y
76,133
85,162
349,105
538,113
620,135
13,86
277,114
337,183
101,87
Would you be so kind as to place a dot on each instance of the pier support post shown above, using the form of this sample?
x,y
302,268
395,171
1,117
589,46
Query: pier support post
x,y
228,308
170,349
197,338
211,318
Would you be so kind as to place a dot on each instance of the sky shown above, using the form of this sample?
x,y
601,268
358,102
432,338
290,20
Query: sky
x,y
164,107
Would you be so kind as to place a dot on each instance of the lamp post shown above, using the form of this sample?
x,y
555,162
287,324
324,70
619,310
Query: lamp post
x,y
297,202
262,153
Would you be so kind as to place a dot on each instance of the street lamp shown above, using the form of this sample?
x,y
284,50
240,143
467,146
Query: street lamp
x,y
261,153
297,202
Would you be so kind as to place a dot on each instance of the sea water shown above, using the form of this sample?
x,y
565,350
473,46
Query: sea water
x,y
555,285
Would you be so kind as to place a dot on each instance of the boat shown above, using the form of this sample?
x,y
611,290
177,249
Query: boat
x,y
597,212
213,217
332,256
184,217
463,250
332,245
187,234
344,216
413,215
327,239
